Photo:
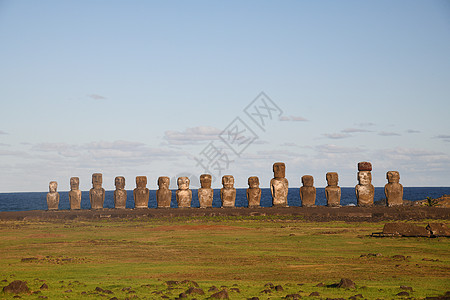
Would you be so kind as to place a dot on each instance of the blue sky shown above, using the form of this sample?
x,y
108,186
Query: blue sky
x,y
143,87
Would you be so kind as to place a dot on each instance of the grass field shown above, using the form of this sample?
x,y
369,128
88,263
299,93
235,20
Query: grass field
x,y
136,258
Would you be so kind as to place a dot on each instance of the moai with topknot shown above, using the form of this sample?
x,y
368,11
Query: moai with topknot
x,y
183,194
141,193
308,191
52,196
163,194
228,192
365,191
75,193
205,193
333,191
393,189
120,194
97,193
253,192
279,185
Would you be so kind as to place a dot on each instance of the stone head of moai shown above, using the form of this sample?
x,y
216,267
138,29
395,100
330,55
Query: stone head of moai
x,y
74,183
253,182
307,180
141,181
393,177
163,182
228,181
279,170
119,182
365,178
97,180
332,178
183,183
52,186
205,181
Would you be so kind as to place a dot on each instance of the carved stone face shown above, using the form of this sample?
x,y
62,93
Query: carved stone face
x,y
279,170
308,180
205,181
332,178
253,182
74,183
52,186
163,182
228,181
183,183
120,182
393,177
97,179
364,177
141,181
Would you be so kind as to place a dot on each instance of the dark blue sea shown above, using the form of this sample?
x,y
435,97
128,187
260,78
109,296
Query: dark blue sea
x,y
37,201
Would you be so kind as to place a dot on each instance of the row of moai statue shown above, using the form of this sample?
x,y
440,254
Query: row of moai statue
x,y
278,185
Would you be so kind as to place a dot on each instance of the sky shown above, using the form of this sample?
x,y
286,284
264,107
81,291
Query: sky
x,y
182,88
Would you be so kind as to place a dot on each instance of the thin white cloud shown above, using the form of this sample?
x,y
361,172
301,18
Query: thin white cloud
x,y
260,142
293,118
192,136
3,132
365,124
444,137
289,145
96,97
331,148
4,145
412,131
388,133
354,130
337,136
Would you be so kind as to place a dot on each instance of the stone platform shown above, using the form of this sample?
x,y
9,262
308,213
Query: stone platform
x,y
320,213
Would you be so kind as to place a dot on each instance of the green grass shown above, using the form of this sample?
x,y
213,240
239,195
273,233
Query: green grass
x,y
246,252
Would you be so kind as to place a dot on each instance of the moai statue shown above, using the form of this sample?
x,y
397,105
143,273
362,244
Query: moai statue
x,y
228,192
163,194
308,191
253,192
120,194
141,193
205,193
75,193
184,194
393,190
364,190
279,185
52,196
97,193
333,191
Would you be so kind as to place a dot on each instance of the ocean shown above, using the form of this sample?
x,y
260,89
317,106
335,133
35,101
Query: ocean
x,y
37,200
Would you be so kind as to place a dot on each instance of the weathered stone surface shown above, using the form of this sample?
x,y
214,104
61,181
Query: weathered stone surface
x,y
228,192
364,166
438,229
205,193
308,191
253,192
75,193
333,191
183,194
279,185
97,193
17,287
120,194
365,191
163,194
220,295
404,229
141,193
393,189
52,196
346,283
